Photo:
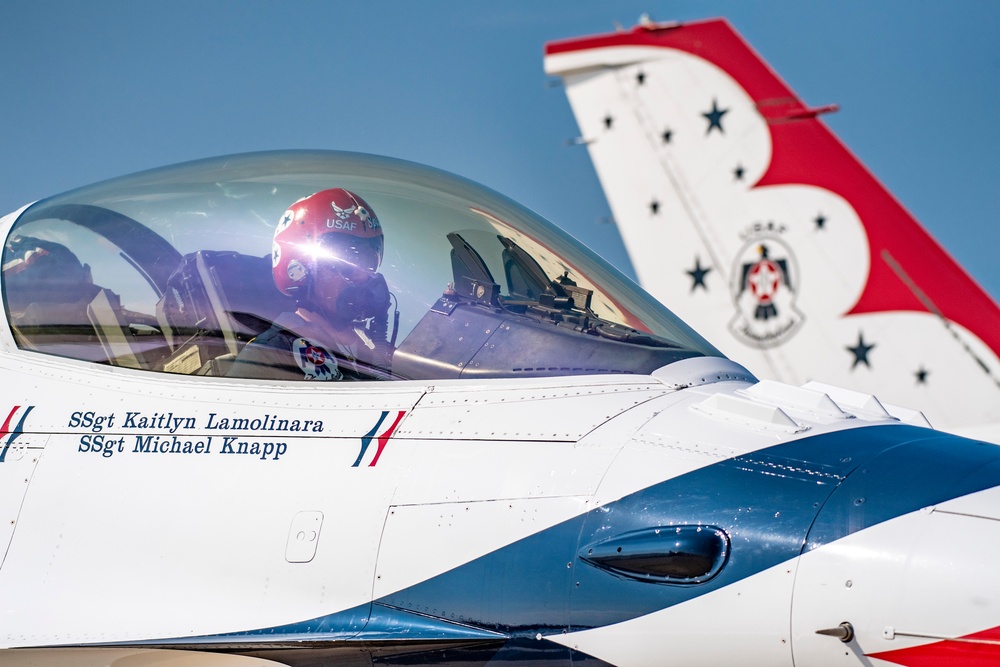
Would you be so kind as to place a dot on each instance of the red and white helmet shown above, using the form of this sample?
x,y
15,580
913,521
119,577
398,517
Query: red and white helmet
x,y
333,224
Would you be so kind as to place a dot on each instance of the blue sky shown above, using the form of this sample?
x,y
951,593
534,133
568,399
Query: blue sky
x,y
93,90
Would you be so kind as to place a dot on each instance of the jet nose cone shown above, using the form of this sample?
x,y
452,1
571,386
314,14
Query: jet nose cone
x,y
904,554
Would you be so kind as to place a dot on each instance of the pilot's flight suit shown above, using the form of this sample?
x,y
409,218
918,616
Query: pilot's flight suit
x,y
291,350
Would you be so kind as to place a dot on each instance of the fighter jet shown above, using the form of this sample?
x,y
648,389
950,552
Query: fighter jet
x,y
304,408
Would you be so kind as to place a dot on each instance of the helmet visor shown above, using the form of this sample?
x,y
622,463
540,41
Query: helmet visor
x,y
344,250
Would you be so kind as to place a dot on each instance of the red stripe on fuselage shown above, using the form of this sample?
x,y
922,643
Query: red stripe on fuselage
x,y
5,429
384,438
981,649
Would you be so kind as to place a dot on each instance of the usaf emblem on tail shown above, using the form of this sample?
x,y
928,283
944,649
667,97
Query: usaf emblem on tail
x,y
765,286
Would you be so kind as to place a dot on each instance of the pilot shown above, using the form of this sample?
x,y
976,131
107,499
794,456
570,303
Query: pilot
x,y
326,255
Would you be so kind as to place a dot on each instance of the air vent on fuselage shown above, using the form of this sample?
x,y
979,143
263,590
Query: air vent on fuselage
x,y
664,554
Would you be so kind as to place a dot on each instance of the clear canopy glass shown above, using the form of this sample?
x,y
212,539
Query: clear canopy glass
x,y
171,270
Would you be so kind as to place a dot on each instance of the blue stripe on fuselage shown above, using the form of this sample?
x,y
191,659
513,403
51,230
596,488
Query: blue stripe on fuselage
x,y
766,501
774,504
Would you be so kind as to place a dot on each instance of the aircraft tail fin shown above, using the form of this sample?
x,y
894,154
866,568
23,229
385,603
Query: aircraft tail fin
x,y
747,216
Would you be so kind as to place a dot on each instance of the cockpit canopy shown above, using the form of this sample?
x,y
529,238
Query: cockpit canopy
x,y
170,270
